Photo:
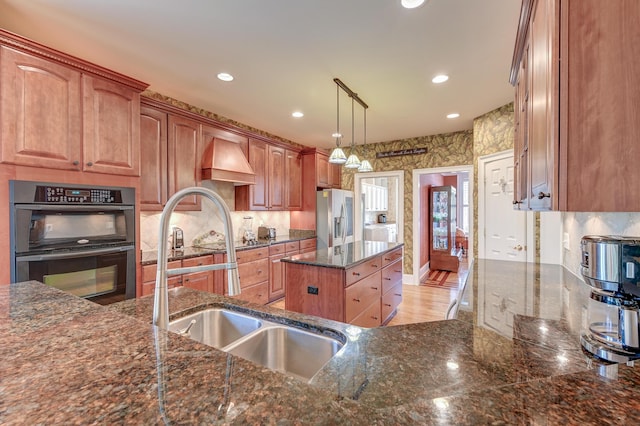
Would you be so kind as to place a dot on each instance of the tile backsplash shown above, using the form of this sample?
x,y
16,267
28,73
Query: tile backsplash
x,y
209,218
577,225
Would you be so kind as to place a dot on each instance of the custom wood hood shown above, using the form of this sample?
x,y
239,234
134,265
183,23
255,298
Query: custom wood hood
x,y
224,160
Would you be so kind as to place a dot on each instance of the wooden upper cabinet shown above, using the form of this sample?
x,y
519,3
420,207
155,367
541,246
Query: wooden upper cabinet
x,y
276,177
41,112
111,127
255,197
153,149
335,175
60,112
323,178
183,145
293,180
576,85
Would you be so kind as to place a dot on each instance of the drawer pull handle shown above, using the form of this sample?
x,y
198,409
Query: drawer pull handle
x,y
386,304
374,288
375,318
259,271
374,265
357,274
387,259
387,278
397,271
397,294
356,300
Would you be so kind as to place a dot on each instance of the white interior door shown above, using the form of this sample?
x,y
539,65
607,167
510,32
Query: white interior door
x,y
504,236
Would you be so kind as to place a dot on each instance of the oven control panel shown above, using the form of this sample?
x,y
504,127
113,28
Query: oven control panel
x,y
67,195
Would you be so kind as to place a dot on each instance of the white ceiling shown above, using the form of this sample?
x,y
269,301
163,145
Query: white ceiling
x,y
284,55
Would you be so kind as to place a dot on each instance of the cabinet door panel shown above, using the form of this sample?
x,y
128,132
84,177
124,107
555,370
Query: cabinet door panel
x,y
276,278
41,112
111,127
322,172
184,166
258,160
276,177
293,180
153,148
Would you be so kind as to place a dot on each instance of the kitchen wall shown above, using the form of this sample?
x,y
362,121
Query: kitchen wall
x,y
194,224
450,149
576,225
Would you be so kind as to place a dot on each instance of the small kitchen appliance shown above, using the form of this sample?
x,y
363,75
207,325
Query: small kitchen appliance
x,y
266,232
248,236
611,266
382,218
178,239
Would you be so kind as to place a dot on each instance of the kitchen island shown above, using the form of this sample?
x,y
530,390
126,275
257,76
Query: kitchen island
x,y
512,357
359,283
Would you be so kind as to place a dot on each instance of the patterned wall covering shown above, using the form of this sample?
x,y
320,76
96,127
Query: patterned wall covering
x,y
492,132
450,149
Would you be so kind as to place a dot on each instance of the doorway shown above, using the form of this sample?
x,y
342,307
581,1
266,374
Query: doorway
x,y
460,177
379,206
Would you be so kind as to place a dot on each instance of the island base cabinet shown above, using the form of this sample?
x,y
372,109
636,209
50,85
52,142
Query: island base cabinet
x,y
360,295
315,291
370,317
390,302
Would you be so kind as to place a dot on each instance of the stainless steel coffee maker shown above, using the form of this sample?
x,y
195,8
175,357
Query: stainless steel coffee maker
x,y
611,266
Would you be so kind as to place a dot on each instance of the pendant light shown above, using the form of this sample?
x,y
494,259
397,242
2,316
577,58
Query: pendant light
x,y
352,162
365,165
337,155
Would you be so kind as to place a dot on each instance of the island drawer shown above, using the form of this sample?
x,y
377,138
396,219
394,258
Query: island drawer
x,y
243,256
391,275
391,256
362,270
370,317
391,300
253,272
360,295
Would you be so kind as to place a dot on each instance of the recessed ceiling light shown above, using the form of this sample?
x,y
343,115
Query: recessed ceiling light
x,y
453,115
441,78
297,114
411,4
225,76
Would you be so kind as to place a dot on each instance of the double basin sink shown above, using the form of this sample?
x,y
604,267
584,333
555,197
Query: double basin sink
x,y
279,347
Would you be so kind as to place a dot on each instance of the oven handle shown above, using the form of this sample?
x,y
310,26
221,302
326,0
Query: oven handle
x,y
72,254
74,207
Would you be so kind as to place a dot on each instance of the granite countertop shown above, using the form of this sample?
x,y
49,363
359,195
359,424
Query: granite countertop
x,y
512,357
343,256
151,256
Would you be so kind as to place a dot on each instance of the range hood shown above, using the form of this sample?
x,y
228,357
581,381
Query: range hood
x,y
225,161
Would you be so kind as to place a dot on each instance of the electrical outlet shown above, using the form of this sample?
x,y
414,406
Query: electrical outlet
x,y
565,241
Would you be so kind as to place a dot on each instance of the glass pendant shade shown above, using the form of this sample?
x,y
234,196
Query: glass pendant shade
x,y
365,166
352,162
337,156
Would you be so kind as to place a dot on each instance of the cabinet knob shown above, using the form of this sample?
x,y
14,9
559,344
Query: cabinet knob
x,y
89,164
75,163
518,247
542,195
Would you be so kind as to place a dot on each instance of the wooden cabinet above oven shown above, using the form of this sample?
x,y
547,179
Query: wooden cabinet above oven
x,y
60,112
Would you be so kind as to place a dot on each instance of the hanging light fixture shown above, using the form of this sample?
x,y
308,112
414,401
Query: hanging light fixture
x,y
352,162
337,155
365,165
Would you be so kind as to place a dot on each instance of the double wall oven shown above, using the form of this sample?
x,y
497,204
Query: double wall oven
x,y
75,238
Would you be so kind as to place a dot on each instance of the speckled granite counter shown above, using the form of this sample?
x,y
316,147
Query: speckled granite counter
x,y
151,256
511,357
344,256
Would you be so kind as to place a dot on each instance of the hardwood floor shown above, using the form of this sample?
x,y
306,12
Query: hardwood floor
x,y
428,301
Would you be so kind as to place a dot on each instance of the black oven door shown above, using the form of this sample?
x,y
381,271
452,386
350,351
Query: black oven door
x,y
104,275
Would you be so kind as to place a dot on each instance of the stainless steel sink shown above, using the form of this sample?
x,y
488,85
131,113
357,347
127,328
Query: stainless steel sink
x,y
287,350
278,347
215,327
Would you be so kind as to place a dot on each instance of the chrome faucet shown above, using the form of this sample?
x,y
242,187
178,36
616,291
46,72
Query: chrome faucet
x,y
161,297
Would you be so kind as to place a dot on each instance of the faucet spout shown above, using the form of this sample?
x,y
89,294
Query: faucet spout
x,y
161,297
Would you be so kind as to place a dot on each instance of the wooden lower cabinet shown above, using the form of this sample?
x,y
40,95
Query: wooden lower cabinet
x,y
366,295
204,281
253,270
277,288
308,245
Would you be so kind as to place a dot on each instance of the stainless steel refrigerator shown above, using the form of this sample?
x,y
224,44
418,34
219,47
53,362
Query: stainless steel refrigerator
x,y
334,217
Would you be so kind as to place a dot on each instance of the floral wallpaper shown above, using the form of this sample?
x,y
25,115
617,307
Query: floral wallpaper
x,y
450,149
